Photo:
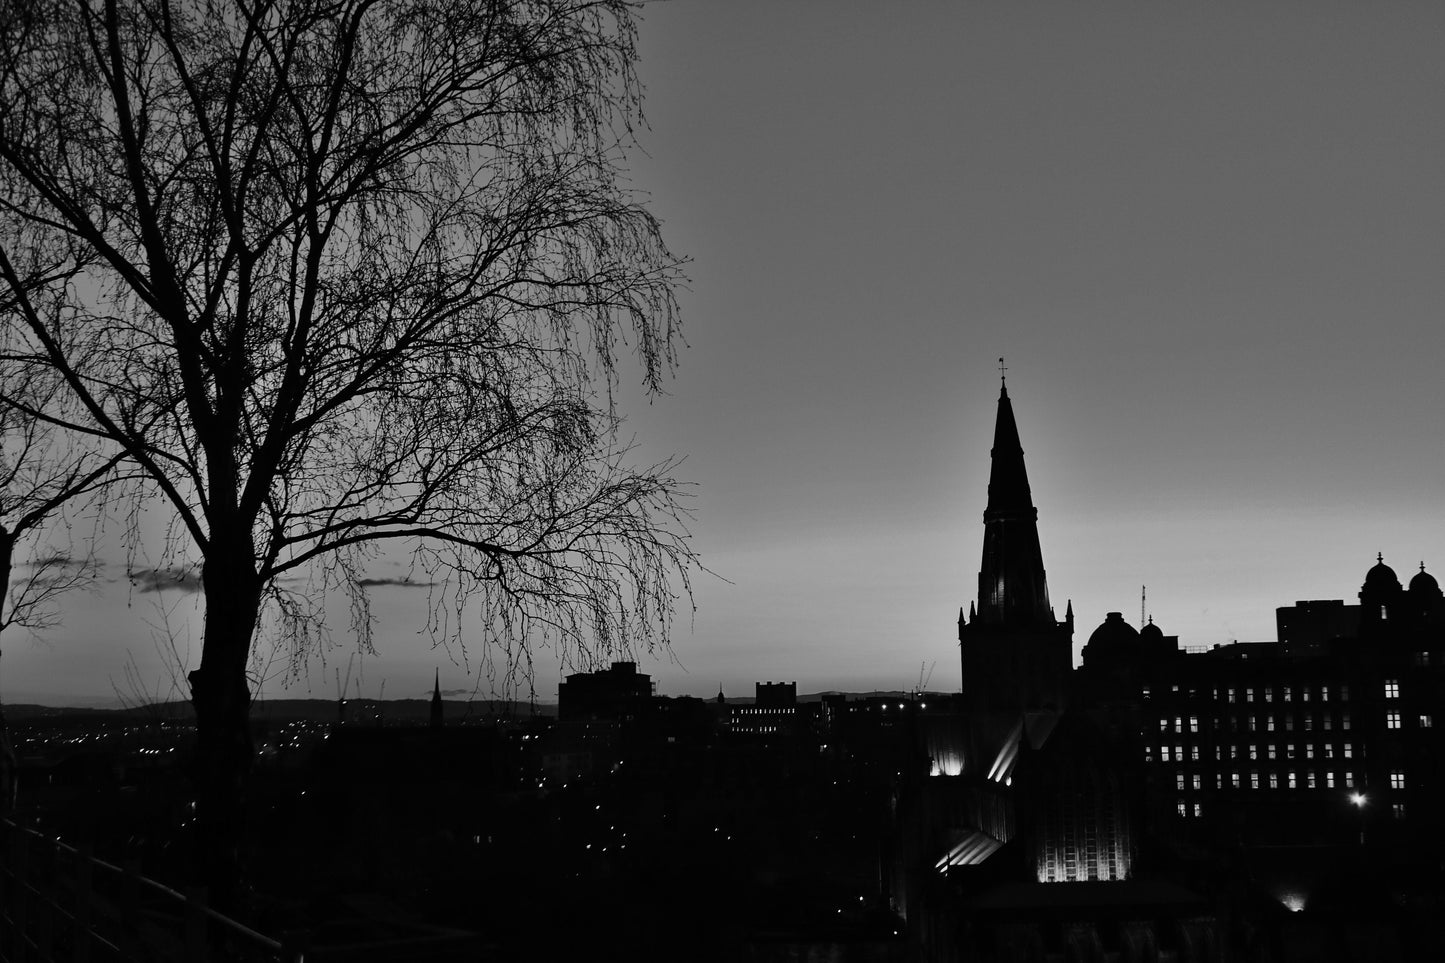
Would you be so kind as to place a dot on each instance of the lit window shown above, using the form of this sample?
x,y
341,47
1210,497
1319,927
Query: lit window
x,y
1234,779
1164,753
1309,750
1309,722
1310,779
1183,810
1383,613
1163,725
1344,720
1193,753
1249,695
1289,723
1291,780
1231,693
1271,750
1268,694
1178,724
1397,779
1392,720
1330,779
1324,693
1253,752
1329,750
1269,723
1198,781
1253,720
1397,810
1234,752
1144,691
1427,721
1193,723
1328,718
1254,780
1392,688
1304,693
1286,693
1218,753
1198,810
1349,778
1274,780
1178,753
1179,781
1349,750
1289,751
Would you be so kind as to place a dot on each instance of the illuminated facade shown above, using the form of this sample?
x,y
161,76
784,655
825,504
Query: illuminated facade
x,y
1304,740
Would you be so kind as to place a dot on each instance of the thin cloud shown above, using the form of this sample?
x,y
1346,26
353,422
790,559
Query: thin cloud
x,y
163,579
402,582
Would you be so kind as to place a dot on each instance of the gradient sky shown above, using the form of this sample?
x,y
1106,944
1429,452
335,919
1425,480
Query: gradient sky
x,y
1209,239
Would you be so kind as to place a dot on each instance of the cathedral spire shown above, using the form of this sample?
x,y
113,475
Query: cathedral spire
x,y
436,701
1011,585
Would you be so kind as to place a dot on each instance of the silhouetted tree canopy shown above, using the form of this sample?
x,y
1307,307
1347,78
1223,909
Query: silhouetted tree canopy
x,y
343,275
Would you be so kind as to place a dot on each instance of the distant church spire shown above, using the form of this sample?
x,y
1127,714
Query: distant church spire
x,y
1011,585
436,702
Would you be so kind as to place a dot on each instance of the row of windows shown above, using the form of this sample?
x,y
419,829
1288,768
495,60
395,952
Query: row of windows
x,y
1394,719
1268,723
1291,779
1304,693
1255,751
1286,693
1309,779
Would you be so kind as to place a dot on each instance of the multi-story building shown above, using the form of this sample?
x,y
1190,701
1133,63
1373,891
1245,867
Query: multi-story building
x,y
1258,772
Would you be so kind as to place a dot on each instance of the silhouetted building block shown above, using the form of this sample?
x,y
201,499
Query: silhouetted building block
x,y
619,693
1306,628
775,695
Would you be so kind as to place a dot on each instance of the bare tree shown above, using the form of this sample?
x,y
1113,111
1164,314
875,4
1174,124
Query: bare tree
x,y
344,274
42,472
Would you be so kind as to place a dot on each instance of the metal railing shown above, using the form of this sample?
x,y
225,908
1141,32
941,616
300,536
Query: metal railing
x,y
60,904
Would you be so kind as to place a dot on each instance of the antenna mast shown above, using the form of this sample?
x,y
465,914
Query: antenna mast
x,y
1143,594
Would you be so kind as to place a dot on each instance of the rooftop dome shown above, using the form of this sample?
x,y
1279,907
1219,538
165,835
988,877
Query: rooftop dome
x,y
1114,633
1424,582
1381,576
1151,632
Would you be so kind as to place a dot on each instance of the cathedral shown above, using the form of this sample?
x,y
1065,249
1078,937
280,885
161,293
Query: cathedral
x,y
1238,801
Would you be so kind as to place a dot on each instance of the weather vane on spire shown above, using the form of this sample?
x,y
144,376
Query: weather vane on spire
x,y
1002,377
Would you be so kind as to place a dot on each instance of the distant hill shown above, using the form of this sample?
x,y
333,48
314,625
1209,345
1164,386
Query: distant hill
x,y
285,710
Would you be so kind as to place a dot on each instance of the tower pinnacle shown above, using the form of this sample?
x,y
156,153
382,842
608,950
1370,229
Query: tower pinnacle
x,y
1011,584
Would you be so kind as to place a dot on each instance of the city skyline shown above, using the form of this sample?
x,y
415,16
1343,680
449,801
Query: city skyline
x,y
1206,242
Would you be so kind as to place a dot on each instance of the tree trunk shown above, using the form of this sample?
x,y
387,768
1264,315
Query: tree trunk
x,y
7,549
8,762
222,700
